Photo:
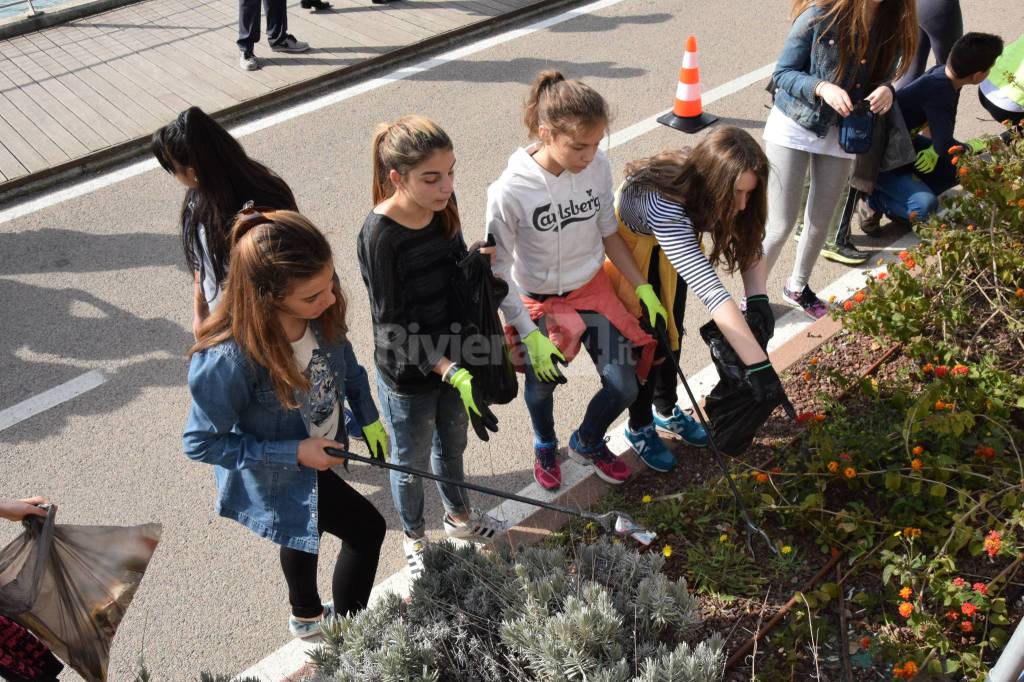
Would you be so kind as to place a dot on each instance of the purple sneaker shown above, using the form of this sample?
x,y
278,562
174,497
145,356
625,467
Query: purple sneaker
x,y
807,301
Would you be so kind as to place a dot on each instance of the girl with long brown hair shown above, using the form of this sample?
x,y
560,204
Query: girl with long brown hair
x,y
268,375
666,205
560,298
838,53
408,248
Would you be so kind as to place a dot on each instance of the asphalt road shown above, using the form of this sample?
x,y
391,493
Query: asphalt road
x,y
98,282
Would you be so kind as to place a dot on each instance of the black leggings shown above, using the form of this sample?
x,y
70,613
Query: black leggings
x,y
1016,118
941,23
660,389
344,513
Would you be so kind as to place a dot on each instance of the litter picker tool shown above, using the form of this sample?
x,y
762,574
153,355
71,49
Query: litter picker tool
x,y
616,522
719,458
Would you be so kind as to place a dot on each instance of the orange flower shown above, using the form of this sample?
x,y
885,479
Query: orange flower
x,y
911,532
812,361
819,417
952,615
941,371
761,477
917,450
1020,203
806,376
980,588
959,582
966,626
910,263
849,472
985,451
848,306
939,405
865,642
916,464
906,608
859,297
963,171
912,215
960,370
906,593
904,254
1020,292
804,417
905,671
993,543
968,609
955,160
955,149
883,276
928,368
833,466
970,228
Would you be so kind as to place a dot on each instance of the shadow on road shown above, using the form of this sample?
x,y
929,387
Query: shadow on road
x,y
523,70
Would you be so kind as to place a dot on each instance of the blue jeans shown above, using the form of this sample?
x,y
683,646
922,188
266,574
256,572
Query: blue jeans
x,y
425,428
613,356
899,194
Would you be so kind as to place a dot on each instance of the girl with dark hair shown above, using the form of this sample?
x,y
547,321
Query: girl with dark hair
x,y
559,295
408,247
666,205
268,375
838,53
220,178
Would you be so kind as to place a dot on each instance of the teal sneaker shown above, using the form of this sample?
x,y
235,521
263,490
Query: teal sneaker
x,y
304,629
684,426
652,451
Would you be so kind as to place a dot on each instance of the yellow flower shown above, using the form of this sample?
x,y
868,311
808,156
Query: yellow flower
x,y
667,551
916,464
646,499
723,537
905,593
786,549
833,466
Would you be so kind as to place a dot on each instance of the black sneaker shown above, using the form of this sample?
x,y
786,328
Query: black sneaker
x,y
847,254
867,219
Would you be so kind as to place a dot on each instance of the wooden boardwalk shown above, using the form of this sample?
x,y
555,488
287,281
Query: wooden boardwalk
x,y
81,87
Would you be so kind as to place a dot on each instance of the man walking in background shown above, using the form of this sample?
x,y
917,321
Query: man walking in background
x,y
277,30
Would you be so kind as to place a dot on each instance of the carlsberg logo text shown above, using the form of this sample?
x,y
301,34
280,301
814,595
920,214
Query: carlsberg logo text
x,y
545,219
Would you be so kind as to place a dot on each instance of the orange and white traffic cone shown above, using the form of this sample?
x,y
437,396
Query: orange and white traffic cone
x,y
688,114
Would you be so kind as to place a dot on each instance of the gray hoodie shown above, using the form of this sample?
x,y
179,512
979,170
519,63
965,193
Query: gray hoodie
x,y
549,229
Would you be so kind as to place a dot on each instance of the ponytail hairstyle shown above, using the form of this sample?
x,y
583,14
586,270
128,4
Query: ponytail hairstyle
x,y
271,251
564,106
227,179
401,146
703,180
895,36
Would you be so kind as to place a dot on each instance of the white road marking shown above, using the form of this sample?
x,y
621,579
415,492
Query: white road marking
x,y
330,99
51,398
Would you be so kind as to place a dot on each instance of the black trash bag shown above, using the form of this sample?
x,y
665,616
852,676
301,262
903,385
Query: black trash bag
x,y
70,586
483,349
734,413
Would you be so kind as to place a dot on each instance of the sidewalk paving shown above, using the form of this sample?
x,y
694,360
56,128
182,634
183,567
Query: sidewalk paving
x,y
73,93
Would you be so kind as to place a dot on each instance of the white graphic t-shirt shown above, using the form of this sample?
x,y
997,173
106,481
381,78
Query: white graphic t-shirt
x,y
319,406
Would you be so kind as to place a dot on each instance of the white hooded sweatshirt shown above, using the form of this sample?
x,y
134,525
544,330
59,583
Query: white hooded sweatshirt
x,y
549,229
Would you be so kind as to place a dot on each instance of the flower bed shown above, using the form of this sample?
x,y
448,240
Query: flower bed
x,y
912,474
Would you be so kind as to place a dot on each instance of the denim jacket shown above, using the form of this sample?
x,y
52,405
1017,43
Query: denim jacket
x,y
810,56
237,424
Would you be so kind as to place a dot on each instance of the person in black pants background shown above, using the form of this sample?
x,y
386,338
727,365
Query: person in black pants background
x,y
277,30
941,23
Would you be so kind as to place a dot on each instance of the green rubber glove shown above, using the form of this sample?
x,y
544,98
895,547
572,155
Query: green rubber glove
x,y
480,415
377,440
977,145
927,159
544,357
652,307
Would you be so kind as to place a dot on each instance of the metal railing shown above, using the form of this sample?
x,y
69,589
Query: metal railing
x,y
32,11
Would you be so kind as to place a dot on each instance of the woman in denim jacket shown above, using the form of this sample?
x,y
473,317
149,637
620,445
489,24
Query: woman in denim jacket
x,y
268,376
838,52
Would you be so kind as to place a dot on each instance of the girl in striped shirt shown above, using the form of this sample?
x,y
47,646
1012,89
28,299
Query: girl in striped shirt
x,y
666,205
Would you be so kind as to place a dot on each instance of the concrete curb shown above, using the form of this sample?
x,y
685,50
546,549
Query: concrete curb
x,y
124,152
21,25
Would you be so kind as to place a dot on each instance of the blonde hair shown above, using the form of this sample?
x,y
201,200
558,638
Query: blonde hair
x,y
401,146
270,251
564,106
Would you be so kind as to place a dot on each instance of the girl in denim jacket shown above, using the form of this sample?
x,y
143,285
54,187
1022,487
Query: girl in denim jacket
x,y
838,52
268,376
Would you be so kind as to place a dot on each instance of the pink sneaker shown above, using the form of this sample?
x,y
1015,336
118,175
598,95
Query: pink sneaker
x,y
607,466
546,471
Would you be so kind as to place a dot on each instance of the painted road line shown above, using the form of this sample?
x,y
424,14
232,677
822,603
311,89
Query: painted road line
x,y
51,398
330,99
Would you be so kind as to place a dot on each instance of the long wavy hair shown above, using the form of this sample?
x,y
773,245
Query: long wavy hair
x,y
227,177
271,251
703,180
895,36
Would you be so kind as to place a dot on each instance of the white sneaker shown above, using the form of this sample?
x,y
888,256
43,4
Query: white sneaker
x,y
414,548
290,44
249,63
481,527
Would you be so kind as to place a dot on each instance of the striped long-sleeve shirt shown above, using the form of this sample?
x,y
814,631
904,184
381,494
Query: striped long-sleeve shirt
x,y
646,211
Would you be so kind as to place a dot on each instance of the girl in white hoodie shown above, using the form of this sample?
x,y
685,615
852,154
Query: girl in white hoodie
x,y
553,222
